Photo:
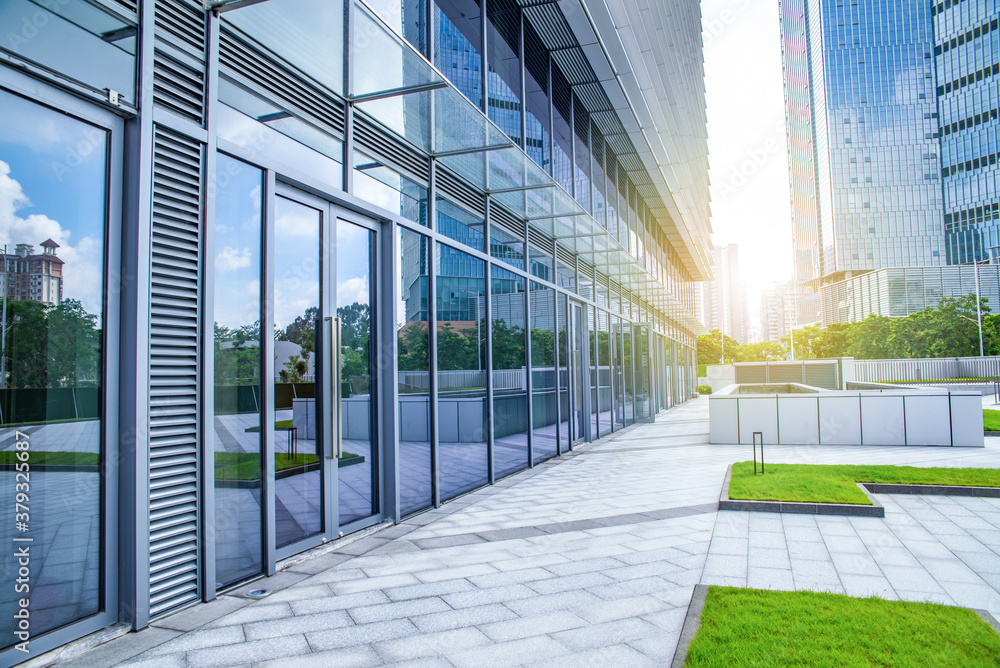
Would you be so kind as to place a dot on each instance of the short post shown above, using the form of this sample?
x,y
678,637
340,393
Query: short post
x,y
996,390
755,435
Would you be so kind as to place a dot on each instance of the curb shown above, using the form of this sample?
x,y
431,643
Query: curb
x,y
802,508
938,490
692,621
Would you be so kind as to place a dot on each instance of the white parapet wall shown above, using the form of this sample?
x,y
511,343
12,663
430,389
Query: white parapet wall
x,y
809,416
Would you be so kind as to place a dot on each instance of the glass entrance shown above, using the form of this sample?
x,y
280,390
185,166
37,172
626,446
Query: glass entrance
x,y
580,375
297,444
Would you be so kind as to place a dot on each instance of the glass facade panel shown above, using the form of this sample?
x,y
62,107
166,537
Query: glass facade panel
x,y
458,45
238,443
461,373
591,335
506,247
52,382
302,32
456,223
297,448
384,187
604,372
537,142
510,381
355,285
74,38
413,366
562,140
543,372
539,264
504,74
562,338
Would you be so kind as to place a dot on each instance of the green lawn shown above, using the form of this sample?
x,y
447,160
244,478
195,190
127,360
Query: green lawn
x,y
749,627
52,458
991,420
815,483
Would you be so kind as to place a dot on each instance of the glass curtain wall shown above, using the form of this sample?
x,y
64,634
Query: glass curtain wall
x,y
458,43
536,83
605,345
592,343
543,372
562,335
413,366
562,133
510,379
238,442
297,264
504,73
461,372
51,375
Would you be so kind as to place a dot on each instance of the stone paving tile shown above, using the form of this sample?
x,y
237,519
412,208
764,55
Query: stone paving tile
x,y
588,560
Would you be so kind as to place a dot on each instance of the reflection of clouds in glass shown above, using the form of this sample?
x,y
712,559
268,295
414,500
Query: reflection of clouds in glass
x,y
231,259
353,290
82,271
291,299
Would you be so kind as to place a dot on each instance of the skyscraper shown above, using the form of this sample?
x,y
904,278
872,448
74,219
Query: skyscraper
x,y
967,59
722,301
863,140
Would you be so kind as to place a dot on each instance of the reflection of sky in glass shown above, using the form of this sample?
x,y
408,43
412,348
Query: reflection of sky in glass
x,y
296,260
52,185
352,264
238,228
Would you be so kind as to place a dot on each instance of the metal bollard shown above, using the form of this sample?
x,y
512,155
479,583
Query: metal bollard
x,y
755,435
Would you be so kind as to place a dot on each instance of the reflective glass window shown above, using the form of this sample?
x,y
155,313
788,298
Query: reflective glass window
x,y
510,381
456,223
52,385
458,44
506,247
543,372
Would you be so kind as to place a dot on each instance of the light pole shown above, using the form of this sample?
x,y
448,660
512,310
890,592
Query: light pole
x,y
979,308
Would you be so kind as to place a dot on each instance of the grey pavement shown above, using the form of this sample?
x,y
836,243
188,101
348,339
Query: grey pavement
x,y
586,560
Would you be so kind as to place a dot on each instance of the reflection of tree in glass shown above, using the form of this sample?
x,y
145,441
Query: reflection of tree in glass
x,y
295,369
52,346
237,355
302,330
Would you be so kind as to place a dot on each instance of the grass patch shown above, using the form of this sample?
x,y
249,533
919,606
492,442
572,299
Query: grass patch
x,y
246,465
749,627
813,483
51,458
991,420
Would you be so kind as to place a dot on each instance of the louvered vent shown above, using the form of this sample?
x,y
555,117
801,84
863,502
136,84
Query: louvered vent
x,y
457,189
540,241
288,88
179,58
129,5
603,281
565,256
174,372
386,147
508,221
586,269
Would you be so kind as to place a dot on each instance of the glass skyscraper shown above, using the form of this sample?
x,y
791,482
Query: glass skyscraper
x,y
864,139
967,58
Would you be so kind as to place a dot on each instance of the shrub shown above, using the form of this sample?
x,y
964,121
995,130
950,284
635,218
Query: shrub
x,y
704,389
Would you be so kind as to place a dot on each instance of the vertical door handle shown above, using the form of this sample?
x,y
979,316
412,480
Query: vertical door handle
x,y
338,420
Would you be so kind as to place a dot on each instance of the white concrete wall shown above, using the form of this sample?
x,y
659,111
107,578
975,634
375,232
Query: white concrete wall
x,y
849,418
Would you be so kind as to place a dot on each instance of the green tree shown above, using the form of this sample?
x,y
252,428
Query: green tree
x,y
296,367
710,348
762,351
832,341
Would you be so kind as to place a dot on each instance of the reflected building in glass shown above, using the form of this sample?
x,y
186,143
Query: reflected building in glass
x,y
863,141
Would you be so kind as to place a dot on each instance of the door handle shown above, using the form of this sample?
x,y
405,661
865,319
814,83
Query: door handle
x,y
338,419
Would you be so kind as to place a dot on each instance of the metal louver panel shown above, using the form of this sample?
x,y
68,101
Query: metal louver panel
x,y
385,147
174,371
178,87
456,189
586,269
565,256
291,90
506,220
540,241
602,280
178,78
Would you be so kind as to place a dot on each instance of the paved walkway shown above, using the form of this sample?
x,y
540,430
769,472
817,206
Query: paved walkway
x,y
585,561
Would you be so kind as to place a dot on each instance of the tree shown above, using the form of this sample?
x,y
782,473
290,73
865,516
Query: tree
x,y
762,351
295,368
872,338
800,343
832,341
710,348
52,346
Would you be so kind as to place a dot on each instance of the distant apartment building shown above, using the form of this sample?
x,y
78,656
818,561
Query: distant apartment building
x,y
778,312
722,302
36,277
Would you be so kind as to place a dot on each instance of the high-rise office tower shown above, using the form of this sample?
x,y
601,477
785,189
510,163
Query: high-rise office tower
x,y
863,142
967,59
722,301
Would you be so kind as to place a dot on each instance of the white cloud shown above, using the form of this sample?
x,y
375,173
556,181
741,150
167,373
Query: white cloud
x,y
353,290
231,259
82,271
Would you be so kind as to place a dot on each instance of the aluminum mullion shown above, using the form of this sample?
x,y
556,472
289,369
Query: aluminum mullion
x,y
432,337
488,329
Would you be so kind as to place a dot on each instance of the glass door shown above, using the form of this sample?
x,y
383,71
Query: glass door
x,y
579,375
